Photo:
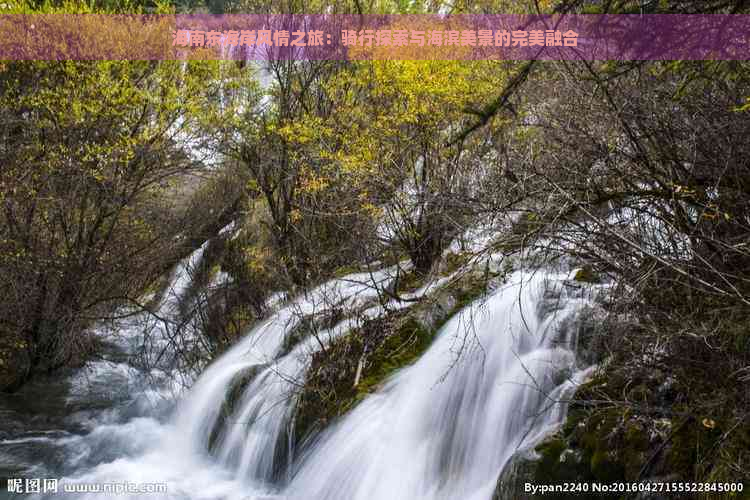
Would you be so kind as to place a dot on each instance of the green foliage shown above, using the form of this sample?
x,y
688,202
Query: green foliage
x,y
380,347
604,441
587,275
90,151
88,7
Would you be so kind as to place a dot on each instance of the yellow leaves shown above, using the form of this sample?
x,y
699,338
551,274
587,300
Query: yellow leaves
x,y
252,185
256,258
388,113
306,131
545,5
371,210
684,191
708,423
744,107
424,93
297,132
313,184
391,104
98,175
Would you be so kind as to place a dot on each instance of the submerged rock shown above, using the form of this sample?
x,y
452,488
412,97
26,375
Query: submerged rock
x,y
586,274
231,400
519,471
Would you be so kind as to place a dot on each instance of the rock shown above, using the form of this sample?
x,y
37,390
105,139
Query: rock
x,y
586,274
232,398
520,469
590,335
436,311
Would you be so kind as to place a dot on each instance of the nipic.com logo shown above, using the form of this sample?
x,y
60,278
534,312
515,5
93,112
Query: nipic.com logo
x,y
53,485
39,485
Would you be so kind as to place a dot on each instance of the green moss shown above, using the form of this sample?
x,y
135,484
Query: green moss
x,y
608,442
342,271
595,443
391,342
401,349
606,468
557,463
455,261
410,281
233,396
549,451
330,392
587,275
238,321
635,453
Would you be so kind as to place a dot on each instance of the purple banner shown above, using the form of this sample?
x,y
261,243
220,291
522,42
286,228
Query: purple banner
x,y
329,37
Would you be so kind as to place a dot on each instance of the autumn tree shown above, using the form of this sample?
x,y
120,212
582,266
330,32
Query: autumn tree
x,y
396,123
88,151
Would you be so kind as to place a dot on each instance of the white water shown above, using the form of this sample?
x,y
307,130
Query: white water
x,y
444,427
440,429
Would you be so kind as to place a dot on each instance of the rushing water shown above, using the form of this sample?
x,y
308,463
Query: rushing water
x,y
444,427
440,429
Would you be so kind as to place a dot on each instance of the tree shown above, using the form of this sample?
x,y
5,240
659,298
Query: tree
x,y
88,150
395,120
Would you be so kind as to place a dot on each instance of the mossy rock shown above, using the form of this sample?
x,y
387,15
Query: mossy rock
x,y
587,275
614,443
391,342
519,470
455,261
409,281
232,398
309,325
409,340
552,461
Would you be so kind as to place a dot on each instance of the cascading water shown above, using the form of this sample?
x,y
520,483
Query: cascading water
x,y
445,426
105,410
440,429
247,444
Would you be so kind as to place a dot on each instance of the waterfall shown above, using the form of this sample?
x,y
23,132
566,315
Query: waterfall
x,y
247,443
144,336
441,428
